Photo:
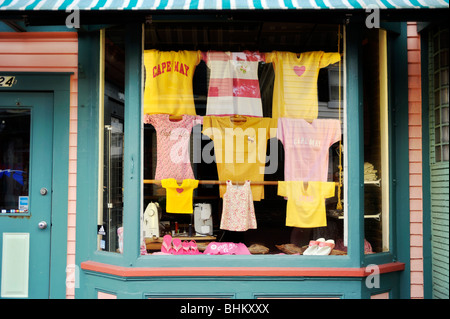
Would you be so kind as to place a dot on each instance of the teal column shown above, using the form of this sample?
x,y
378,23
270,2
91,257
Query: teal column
x,y
355,145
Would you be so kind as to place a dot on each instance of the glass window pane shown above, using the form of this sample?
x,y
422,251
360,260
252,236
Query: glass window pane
x,y
437,154
445,153
111,215
14,160
445,134
445,115
437,135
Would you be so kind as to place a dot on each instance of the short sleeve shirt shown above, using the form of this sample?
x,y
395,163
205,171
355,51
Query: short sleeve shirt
x,y
306,147
168,81
295,87
179,198
306,204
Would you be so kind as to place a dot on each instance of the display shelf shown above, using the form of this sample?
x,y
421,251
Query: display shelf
x,y
376,182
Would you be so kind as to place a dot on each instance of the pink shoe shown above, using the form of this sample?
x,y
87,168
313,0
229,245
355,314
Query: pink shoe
x,y
166,246
193,248
177,247
186,248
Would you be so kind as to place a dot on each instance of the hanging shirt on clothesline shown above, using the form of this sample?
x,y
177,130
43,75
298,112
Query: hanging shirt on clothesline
x,y
306,204
306,147
172,145
168,81
233,83
240,148
238,213
179,198
295,87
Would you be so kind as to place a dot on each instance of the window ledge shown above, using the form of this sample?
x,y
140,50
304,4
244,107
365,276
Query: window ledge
x,y
121,271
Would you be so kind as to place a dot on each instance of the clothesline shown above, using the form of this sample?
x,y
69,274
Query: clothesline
x,y
213,182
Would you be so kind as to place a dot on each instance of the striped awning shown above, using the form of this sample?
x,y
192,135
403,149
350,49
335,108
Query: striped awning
x,y
23,5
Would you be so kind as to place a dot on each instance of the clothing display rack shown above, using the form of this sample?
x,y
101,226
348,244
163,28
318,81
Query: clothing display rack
x,y
212,182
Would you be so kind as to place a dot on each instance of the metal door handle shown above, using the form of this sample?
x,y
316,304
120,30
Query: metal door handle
x,y
43,191
42,225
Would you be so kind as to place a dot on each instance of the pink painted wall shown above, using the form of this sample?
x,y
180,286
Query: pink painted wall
x,y
50,52
415,162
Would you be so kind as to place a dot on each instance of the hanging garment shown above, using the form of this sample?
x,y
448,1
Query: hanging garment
x,y
168,81
240,148
179,198
295,87
306,204
306,147
172,145
238,213
233,83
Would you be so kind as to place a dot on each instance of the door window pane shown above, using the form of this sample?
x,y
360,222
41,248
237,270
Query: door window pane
x,y
14,160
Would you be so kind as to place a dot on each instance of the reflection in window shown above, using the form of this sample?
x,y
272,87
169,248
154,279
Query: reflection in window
x,y
14,160
110,231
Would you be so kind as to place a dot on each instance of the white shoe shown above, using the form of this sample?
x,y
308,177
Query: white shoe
x,y
325,248
313,246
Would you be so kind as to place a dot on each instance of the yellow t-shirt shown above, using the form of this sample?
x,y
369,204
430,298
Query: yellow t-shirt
x,y
168,81
179,198
240,148
295,87
306,204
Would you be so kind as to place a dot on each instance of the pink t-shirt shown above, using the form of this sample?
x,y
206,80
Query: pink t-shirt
x,y
172,144
306,147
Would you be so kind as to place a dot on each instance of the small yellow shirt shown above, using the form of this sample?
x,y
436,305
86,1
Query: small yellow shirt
x,y
168,81
306,204
240,148
295,87
179,198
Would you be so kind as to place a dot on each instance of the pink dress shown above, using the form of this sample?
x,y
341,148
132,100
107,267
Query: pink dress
x,y
238,212
172,144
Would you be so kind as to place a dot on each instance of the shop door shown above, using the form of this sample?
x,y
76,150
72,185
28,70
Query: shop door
x,y
26,152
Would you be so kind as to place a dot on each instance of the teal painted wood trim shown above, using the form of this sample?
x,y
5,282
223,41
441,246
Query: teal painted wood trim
x,y
426,192
355,145
132,147
397,47
59,85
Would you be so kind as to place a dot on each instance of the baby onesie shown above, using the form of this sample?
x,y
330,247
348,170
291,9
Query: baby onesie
x,y
172,144
233,83
179,198
306,204
238,213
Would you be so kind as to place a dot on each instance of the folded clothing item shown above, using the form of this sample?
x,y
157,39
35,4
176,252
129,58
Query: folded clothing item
x,y
216,248
370,174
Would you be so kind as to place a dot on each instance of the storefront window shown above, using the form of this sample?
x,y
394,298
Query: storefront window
x,y
376,142
228,102
112,140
